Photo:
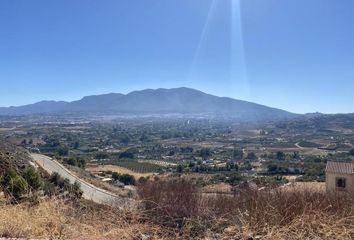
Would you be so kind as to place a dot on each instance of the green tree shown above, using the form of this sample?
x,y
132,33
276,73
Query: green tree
x,y
127,179
251,156
205,153
101,155
272,168
351,152
280,156
63,151
179,168
115,176
237,154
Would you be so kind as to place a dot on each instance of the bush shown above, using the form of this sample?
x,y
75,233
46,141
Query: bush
x,y
177,201
142,180
126,155
176,198
49,189
127,179
58,185
13,185
33,178
76,161
75,190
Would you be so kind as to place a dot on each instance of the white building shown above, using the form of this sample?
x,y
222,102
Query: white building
x,y
340,176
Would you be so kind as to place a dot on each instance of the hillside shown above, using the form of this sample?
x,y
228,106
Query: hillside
x,y
12,156
159,101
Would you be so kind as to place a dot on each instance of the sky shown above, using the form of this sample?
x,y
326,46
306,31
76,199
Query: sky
x,y
296,55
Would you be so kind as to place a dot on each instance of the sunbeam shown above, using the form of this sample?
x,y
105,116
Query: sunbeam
x,y
238,60
203,36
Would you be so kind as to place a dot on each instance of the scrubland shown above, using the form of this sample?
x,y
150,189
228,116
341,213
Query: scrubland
x,y
176,209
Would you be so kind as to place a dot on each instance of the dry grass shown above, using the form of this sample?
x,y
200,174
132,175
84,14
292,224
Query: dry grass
x,y
269,214
218,188
55,219
174,209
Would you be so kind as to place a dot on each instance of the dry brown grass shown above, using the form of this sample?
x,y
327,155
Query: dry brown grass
x,y
55,219
270,214
174,209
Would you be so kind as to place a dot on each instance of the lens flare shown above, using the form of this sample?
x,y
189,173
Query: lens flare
x,y
203,34
238,60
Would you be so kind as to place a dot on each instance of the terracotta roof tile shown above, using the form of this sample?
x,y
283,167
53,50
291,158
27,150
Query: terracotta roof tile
x,y
340,167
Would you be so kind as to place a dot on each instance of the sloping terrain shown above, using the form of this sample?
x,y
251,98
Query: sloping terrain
x,y
12,156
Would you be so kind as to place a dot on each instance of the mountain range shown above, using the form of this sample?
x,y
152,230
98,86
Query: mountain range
x,y
159,101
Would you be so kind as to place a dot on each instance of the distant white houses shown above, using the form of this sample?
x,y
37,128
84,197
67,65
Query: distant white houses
x,y
340,176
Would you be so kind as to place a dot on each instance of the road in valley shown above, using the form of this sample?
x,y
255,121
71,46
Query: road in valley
x,y
298,145
90,192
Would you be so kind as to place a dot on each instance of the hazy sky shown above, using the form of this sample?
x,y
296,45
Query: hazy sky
x,y
296,55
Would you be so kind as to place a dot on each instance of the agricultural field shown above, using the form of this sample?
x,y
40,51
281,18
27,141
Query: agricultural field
x,y
139,167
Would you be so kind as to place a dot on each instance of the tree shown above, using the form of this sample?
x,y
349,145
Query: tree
x,y
351,152
13,185
272,168
247,166
205,153
251,156
280,156
63,151
237,154
234,179
127,179
76,145
101,155
179,168
76,161
129,153
115,176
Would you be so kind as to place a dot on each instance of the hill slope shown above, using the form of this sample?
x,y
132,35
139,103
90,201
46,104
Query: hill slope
x,y
12,156
159,101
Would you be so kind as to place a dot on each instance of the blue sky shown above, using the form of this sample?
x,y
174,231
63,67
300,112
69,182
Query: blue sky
x,y
296,55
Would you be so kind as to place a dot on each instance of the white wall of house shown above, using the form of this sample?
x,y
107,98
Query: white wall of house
x,y
331,182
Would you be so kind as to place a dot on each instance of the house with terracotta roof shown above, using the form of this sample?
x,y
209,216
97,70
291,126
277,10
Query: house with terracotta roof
x,y
340,176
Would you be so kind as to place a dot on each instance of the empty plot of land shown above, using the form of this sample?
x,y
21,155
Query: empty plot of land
x,y
307,186
94,168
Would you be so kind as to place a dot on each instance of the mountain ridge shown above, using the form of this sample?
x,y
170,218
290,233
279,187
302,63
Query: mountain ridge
x,y
155,101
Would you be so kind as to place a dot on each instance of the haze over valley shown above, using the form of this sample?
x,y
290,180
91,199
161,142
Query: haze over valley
x,y
180,119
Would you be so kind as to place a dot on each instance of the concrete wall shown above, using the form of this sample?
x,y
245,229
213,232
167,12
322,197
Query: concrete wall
x,y
331,181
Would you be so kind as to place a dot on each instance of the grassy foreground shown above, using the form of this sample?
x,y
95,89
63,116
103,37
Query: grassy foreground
x,y
174,209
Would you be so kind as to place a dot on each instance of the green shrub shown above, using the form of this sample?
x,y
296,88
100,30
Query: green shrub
x,y
33,178
13,184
